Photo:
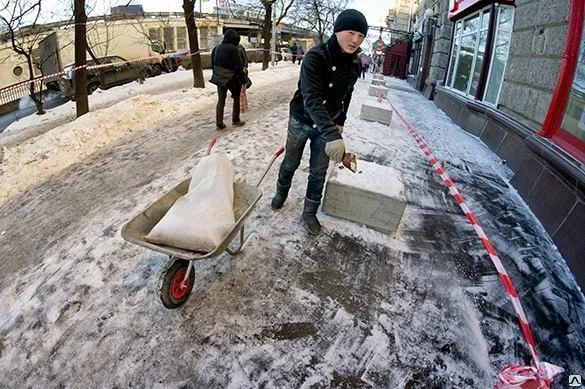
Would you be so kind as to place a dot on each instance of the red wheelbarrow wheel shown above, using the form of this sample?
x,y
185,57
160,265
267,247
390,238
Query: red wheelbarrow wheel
x,y
173,292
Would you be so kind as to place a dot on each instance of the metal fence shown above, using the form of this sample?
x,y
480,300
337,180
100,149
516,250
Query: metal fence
x,y
13,93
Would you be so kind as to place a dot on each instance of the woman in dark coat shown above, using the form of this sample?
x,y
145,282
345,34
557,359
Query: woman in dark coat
x,y
228,74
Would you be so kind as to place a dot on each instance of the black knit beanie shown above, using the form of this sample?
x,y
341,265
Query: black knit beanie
x,y
351,19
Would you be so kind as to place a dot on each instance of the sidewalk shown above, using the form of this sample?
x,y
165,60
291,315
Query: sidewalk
x,y
441,274
421,308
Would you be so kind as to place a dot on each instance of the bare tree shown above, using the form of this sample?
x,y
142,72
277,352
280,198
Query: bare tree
x,y
24,37
157,43
265,8
318,15
267,32
100,34
188,9
93,38
81,102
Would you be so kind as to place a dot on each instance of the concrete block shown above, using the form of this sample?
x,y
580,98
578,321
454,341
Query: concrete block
x,y
374,196
378,82
373,111
376,89
378,76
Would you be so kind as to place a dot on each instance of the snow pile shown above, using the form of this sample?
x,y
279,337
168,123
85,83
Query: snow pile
x,y
34,160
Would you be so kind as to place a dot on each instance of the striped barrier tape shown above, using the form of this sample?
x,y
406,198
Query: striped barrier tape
x,y
543,373
27,82
380,96
98,66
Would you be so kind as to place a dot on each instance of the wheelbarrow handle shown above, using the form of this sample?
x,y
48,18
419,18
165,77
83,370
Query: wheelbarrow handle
x,y
211,144
276,155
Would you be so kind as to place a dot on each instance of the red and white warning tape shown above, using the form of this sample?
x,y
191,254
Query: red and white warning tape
x,y
543,373
58,74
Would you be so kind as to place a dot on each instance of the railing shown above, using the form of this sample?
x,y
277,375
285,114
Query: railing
x,y
11,94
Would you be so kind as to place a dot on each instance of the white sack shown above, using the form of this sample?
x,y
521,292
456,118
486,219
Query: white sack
x,y
200,220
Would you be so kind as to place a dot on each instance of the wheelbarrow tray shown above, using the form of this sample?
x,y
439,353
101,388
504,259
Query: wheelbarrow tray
x,y
135,231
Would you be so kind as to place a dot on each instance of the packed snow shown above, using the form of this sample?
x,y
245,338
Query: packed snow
x,y
353,307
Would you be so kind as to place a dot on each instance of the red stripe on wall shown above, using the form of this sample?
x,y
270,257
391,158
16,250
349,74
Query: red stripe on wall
x,y
552,121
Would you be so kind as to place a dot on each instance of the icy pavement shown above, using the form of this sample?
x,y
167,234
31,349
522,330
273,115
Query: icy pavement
x,y
353,307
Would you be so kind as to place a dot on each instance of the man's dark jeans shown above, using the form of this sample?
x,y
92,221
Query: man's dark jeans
x,y
221,96
298,134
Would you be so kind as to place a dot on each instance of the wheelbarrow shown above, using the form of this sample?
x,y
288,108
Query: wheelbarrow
x,y
176,279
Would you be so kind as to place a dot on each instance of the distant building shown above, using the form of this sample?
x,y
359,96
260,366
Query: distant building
x,y
127,9
399,15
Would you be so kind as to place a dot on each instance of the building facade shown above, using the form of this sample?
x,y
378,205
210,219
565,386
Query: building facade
x,y
400,15
514,76
431,43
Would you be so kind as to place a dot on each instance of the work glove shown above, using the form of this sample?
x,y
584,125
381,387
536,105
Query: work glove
x,y
339,128
335,150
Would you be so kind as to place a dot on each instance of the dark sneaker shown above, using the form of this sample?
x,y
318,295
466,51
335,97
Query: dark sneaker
x,y
239,123
221,127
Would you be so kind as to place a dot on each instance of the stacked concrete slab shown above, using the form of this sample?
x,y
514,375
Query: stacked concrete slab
x,y
374,111
376,89
374,196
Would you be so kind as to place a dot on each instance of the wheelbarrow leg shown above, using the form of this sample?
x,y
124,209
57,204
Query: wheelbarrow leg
x,y
237,250
185,281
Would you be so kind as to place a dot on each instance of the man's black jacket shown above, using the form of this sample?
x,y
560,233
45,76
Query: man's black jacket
x,y
325,87
226,61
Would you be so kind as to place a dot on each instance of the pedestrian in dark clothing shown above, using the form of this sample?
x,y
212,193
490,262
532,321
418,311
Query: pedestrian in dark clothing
x,y
300,54
365,60
228,74
293,49
318,111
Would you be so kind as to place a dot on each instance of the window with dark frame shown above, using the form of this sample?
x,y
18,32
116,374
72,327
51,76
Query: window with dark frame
x,y
415,64
499,60
468,50
169,36
182,38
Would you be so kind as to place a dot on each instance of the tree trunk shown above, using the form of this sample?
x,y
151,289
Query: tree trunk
x,y
80,74
38,100
267,33
188,9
